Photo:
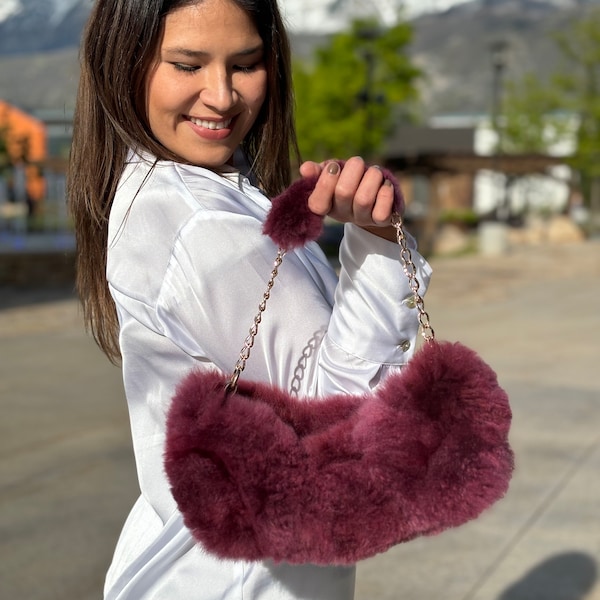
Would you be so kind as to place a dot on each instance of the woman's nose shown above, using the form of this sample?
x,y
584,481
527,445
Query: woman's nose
x,y
218,92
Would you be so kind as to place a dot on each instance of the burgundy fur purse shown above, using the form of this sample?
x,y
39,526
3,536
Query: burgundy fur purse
x,y
259,473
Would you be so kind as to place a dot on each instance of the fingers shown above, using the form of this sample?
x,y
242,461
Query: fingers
x,y
373,200
355,193
310,169
384,204
322,199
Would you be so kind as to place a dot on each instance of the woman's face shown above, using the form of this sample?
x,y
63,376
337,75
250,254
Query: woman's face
x,y
209,82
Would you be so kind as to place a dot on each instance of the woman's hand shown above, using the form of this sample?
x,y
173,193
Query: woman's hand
x,y
353,194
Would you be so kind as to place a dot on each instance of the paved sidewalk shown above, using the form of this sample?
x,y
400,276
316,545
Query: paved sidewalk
x,y
67,477
535,317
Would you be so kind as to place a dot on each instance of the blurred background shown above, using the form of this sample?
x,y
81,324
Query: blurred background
x,y
489,113
487,109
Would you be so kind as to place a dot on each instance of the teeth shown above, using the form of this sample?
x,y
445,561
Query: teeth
x,y
211,124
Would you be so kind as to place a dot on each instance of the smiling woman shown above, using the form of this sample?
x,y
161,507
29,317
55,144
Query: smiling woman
x,y
172,258
209,84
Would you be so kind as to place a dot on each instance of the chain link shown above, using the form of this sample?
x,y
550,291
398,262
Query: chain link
x,y
410,270
249,341
307,352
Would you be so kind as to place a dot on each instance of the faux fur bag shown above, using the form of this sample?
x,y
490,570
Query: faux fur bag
x,y
259,473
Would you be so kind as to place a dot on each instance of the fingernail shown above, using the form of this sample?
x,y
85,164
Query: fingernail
x,y
388,183
333,168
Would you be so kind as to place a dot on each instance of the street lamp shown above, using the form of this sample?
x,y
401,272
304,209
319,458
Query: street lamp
x,y
366,97
498,50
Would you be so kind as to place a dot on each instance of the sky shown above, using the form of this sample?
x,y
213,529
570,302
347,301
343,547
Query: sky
x,y
300,14
416,6
308,15
8,7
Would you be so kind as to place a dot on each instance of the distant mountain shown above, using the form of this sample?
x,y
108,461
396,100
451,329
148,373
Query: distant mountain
x,y
39,40
454,48
30,26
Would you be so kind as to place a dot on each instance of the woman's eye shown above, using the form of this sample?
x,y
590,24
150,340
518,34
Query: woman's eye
x,y
246,68
185,68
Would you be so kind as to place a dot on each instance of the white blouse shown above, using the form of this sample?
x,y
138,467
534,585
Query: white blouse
x,y
187,268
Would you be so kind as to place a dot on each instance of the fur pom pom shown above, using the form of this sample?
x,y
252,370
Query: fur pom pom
x,y
291,224
260,474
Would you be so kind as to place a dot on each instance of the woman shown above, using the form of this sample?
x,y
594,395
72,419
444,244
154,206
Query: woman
x,y
172,261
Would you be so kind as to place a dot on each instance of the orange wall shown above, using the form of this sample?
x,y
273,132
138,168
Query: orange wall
x,y
21,126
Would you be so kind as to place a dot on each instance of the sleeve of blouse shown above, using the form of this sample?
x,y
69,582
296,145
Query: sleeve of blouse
x,y
374,323
218,273
213,284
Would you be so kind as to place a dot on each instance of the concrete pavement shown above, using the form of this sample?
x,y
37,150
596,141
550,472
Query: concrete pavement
x,y
534,315
67,477
66,471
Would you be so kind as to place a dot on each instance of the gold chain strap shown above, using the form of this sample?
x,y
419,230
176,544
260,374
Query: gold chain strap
x,y
409,268
249,341
411,272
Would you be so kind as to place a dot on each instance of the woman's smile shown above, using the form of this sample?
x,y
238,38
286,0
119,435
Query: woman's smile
x,y
211,129
209,124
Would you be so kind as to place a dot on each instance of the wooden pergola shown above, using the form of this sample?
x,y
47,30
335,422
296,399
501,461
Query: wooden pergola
x,y
436,167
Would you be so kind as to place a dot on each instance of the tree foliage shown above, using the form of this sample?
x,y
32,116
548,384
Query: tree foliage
x,y
348,95
534,118
533,107
580,86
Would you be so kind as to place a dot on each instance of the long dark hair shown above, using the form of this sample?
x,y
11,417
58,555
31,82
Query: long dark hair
x,y
118,49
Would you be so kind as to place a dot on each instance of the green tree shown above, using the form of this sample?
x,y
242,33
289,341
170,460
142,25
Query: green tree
x,y
580,86
532,116
349,96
